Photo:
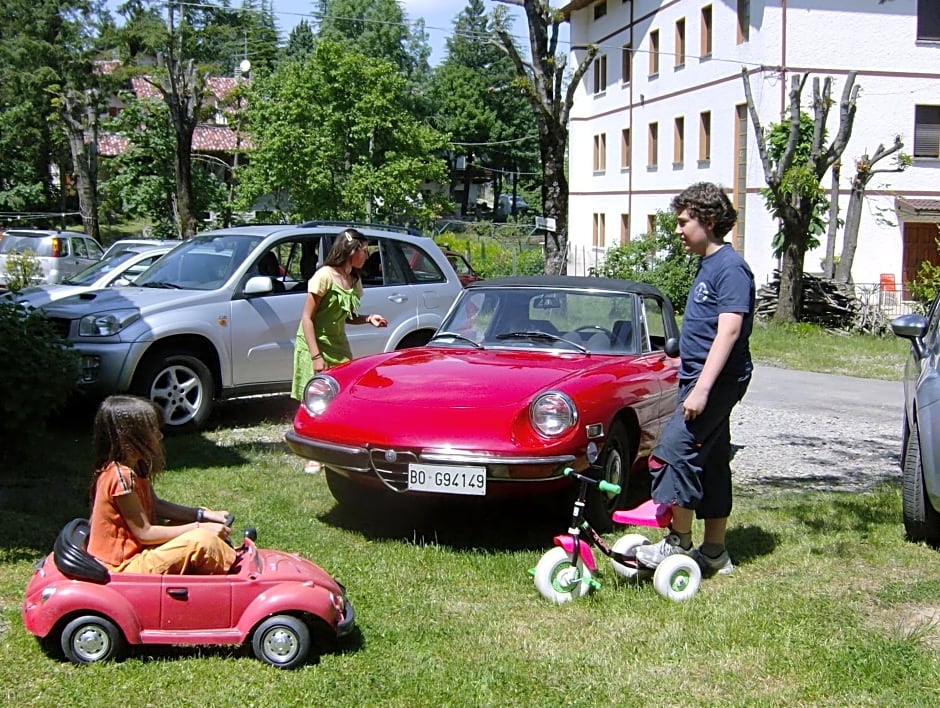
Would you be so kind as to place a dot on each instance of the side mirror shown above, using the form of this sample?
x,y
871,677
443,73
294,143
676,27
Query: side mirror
x,y
672,347
912,328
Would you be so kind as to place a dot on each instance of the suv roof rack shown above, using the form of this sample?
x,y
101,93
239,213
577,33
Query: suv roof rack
x,y
365,225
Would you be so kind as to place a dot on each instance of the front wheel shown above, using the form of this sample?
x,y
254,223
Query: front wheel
x,y
560,581
89,639
623,545
615,468
677,578
921,520
181,385
282,641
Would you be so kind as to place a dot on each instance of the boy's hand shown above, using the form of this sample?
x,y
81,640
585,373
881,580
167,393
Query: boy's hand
x,y
694,404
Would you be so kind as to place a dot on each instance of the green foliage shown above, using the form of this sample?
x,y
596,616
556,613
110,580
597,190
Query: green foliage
x,y
39,373
799,181
658,258
926,285
22,269
333,140
508,253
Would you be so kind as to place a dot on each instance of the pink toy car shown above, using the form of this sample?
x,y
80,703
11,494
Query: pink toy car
x,y
288,608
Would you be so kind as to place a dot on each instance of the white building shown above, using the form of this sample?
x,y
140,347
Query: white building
x,y
664,106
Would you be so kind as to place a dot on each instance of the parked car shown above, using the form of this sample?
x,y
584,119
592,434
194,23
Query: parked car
x,y
209,321
462,266
288,608
504,206
525,377
119,268
125,244
59,253
920,429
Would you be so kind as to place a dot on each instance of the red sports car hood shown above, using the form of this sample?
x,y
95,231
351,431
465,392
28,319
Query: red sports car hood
x,y
433,376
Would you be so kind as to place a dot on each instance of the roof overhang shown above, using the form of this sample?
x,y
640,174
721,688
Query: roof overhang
x,y
574,5
917,209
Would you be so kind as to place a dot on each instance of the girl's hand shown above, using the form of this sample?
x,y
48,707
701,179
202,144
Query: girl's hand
x,y
377,321
220,530
216,516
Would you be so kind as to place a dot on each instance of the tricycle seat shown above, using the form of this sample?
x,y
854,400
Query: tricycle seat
x,y
648,513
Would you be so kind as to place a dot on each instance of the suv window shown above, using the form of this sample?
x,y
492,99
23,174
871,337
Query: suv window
x,y
16,243
423,267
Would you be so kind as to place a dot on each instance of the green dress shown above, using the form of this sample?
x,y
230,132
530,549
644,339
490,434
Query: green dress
x,y
337,304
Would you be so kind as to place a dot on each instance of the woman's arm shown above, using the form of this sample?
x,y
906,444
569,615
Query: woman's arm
x,y
311,304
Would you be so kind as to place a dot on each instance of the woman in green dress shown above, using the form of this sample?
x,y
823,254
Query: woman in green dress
x,y
333,297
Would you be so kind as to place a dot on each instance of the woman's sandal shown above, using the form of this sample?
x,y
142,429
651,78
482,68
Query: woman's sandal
x,y
312,467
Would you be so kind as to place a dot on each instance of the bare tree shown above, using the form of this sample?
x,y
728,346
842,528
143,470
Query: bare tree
x,y
79,111
551,98
864,171
795,187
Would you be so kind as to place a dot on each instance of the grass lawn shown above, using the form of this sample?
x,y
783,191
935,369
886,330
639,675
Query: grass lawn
x,y
829,605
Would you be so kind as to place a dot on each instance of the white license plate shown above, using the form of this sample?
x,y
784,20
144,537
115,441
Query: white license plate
x,y
442,479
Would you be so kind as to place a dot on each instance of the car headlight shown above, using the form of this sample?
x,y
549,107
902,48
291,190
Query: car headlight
x,y
105,324
319,393
553,414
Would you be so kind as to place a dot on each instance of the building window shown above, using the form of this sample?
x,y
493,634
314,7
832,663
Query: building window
x,y
600,73
653,157
928,20
927,131
680,43
624,228
625,149
600,9
626,63
654,53
706,50
744,21
600,152
597,237
678,142
705,138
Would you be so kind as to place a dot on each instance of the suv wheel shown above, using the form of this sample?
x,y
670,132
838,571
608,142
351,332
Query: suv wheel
x,y
921,520
181,385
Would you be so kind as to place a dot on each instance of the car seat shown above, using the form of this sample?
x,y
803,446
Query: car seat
x,y
623,335
268,266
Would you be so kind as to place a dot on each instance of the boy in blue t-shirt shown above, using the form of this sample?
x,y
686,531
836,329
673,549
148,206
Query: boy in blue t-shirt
x,y
690,465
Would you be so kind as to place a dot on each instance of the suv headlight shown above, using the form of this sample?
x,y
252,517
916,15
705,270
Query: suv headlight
x,y
319,393
105,324
553,414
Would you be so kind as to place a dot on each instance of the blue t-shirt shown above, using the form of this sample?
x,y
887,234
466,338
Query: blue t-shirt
x,y
724,283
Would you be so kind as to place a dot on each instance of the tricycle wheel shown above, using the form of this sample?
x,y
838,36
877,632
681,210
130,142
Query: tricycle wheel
x,y
91,638
560,581
282,641
678,577
622,546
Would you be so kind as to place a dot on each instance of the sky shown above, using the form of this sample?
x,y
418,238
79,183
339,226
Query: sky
x,y
438,17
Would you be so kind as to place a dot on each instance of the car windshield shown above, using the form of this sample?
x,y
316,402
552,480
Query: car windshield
x,y
542,318
89,275
200,263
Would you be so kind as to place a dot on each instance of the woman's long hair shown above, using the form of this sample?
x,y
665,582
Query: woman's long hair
x,y
344,246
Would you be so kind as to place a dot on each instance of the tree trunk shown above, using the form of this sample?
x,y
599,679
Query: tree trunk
x,y
790,303
830,265
81,126
555,199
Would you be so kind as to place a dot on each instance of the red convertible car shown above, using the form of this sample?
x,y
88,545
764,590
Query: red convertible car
x,y
288,608
525,377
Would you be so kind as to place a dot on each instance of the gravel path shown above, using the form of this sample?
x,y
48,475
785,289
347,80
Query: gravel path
x,y
797,429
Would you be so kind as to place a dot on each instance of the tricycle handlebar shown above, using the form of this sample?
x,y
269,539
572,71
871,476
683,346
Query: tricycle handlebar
x,y
603,485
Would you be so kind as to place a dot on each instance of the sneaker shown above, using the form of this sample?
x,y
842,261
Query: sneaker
x,y
721,565
652,554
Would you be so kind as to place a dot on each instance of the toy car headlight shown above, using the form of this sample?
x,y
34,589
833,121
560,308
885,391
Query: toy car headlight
x,y
105,324
553,414
319,393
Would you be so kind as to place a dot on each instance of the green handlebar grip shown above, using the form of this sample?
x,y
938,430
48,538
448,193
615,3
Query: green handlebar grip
x,y
608,487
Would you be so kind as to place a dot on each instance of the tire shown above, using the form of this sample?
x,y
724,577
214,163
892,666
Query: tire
x,y
415,339
90,639
559,581
622,545
677,578
344,491
615,466
282,641
181,385
921,520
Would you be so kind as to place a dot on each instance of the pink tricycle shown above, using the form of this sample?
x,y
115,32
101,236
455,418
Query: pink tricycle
x,y
566,572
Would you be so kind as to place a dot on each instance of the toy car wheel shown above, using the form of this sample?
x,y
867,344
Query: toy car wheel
x,y
88,639
282,641
677,578
623,545
560,581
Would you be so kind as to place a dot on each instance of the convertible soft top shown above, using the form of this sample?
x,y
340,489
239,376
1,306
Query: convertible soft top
x,y
578,282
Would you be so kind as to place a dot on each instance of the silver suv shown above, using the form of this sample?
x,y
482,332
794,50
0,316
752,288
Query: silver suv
x,y
217,316
59,253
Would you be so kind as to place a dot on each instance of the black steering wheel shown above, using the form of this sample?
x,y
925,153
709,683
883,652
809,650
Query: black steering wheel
x,y
597,328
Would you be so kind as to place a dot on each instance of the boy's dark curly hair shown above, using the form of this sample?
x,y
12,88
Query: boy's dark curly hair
x,y
707,202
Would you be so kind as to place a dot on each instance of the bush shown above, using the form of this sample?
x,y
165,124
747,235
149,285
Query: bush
x,y
40,373
21,270
658,259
